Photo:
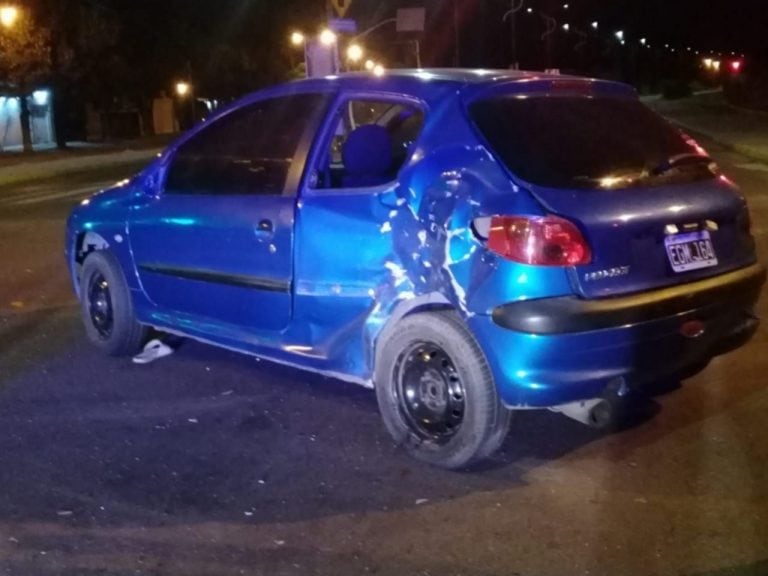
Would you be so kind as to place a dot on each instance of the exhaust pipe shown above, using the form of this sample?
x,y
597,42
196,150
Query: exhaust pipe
x,y
606,412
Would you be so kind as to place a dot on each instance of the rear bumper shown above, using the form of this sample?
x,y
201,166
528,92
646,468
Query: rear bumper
x,y
548,352
571,314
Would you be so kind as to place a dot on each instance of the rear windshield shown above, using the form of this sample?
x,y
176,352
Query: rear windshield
x,y
581,142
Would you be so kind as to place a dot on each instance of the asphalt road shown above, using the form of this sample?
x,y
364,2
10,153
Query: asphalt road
x,y
209,462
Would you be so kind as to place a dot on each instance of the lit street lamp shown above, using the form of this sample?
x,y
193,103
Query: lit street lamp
x,y
8,16
327,37
183,89
186,105
297,39
355,53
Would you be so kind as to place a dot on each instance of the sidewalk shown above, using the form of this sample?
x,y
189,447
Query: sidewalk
x,y
744,131
18,167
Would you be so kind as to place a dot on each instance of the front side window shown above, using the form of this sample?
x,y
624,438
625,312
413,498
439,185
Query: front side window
x,y
371,142
248,151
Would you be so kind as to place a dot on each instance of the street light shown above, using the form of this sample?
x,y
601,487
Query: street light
x,y
327,37
297,39
354,52
8,16
183,89
370,65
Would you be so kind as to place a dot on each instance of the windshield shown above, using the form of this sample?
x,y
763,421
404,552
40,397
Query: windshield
x,y
581,142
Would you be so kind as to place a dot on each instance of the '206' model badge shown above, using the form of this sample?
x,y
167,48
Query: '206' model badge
x,y
607,273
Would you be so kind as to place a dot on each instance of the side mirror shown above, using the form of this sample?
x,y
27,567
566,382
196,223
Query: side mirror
x,y
150,184
151,178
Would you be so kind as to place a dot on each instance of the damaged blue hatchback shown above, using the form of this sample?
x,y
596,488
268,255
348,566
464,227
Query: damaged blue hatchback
x,y
466,242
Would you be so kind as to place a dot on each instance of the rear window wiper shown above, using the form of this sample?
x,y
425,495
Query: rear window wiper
x,y
684,159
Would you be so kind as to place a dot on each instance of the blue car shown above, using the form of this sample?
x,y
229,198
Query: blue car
x,y
466,242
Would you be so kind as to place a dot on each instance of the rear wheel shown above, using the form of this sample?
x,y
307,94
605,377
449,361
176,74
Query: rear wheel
x,y
106,307
436,393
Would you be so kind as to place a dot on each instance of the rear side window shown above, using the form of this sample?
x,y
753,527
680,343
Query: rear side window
x,y
249,151
581,142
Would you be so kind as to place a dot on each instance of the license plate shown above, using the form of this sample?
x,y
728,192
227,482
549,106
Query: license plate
x,y
690,251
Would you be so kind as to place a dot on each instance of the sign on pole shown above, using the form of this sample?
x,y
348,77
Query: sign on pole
x,y
343,25
340,6
411,19
321,60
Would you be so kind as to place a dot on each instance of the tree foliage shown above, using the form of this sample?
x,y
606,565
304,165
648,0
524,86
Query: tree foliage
x,y
25,58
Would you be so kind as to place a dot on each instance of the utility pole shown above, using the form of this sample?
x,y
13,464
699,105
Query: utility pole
x,y
514,8
55,19
456,35
551,25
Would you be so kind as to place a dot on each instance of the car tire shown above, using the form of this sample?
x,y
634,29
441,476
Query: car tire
x,y
436,393
106,307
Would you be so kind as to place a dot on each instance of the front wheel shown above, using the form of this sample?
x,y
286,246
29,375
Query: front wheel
x,y
106,307
436,393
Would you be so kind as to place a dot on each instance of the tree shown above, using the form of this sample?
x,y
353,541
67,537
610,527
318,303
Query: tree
x,y
86,63
24,63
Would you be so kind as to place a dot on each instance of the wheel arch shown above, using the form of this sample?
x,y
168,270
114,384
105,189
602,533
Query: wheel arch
x,y
85,242
424,303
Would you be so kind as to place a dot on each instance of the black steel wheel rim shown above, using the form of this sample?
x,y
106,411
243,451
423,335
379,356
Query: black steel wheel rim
x,y
100,305
430,392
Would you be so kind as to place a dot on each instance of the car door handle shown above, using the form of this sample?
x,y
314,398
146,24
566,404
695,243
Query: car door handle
x,y
265,228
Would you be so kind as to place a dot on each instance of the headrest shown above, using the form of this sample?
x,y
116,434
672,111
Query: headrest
x,y
367,151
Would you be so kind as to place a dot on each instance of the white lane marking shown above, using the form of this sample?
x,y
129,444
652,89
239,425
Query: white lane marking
x,y
757,166
86,190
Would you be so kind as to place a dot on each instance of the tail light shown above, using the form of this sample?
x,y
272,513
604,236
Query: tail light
x,y
538,240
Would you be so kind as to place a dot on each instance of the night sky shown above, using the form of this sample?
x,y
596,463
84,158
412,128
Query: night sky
x,y
740,25
706,25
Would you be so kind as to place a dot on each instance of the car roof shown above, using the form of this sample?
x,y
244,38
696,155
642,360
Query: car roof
x,y
424,78
431,84
428,83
